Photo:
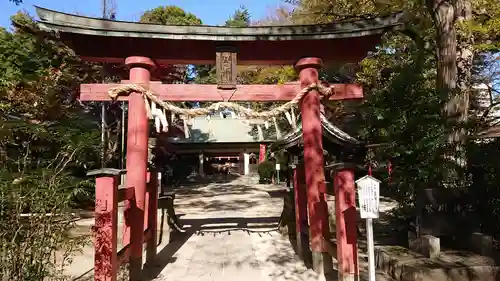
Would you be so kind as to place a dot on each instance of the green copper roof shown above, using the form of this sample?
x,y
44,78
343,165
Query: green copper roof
x,y
57,21
219,130
229,130
330,131
109,41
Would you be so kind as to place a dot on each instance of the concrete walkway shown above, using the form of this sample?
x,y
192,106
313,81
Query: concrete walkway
x,y
231,235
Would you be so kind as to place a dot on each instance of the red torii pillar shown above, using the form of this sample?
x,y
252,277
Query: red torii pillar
x,y
314,165
137,159
300,198
346,218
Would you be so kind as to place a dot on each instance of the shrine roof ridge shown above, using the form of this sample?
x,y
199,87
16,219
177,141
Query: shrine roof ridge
x,y
69,23
330,131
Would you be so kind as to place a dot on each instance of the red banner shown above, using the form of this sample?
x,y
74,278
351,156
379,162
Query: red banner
x,y
262,153
389,170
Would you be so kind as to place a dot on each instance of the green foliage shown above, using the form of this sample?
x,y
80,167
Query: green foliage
x,y
323,11
240,18
170,15
402,107
39,82
173,15
206,74
485,191
266,171
268,74
248,74
485,26
406,116
47,142
35,218
39,77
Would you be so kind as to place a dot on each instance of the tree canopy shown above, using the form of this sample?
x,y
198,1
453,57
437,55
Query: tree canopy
x,y
240,18
170,15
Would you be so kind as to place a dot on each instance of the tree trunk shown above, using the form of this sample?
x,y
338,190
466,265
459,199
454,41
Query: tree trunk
x,y
444,18
465,57
450,71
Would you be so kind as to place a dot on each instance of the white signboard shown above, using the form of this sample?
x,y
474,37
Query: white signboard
x,y
278,167
160,191
369,197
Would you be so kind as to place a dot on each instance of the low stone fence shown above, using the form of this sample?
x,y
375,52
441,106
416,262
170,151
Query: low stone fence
x,y
446,215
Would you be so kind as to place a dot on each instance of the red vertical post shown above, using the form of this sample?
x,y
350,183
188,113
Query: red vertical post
x,y
314,164
152,218
137,158
105,229
300,210
346,217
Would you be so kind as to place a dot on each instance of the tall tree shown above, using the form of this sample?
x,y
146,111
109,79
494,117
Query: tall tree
x,y
40,116
446,34
445,15
47,142
456,48
170,15
240,18
206,74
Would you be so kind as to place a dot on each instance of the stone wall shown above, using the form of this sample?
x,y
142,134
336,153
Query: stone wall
x,y
443,212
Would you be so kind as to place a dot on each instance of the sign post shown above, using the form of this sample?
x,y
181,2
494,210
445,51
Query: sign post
x,y
278,168
160,186
369,198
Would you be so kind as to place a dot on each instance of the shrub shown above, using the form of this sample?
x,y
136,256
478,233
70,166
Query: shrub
x,y
35,222
266,171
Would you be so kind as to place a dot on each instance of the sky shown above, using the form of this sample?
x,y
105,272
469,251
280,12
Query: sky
x,y
211,12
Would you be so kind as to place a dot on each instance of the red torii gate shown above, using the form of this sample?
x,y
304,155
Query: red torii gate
x,y
146,47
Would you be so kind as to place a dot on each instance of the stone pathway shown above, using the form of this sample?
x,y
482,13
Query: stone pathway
x,y
231,236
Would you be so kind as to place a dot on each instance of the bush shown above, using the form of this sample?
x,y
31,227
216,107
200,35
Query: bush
x,y
34,234
266,171
484,192
36,220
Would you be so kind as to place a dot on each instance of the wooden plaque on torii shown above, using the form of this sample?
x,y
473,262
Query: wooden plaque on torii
x,y
225,63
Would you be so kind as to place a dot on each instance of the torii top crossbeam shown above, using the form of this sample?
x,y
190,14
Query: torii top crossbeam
x,y
106,41
112,41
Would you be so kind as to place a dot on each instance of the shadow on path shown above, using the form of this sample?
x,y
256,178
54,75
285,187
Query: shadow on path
x,y
208,226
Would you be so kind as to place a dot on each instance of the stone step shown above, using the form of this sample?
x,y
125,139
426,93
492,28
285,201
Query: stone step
x,y
363,276
379,276
403,264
